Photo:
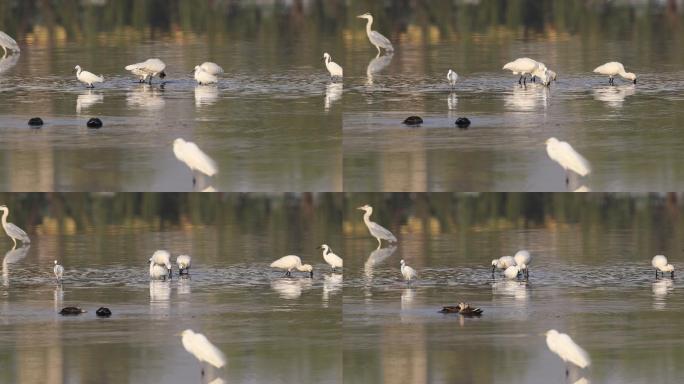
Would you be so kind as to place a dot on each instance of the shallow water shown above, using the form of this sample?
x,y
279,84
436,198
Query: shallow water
x,y
604,294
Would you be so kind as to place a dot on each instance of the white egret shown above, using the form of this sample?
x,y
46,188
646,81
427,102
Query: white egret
x,y
148,68
512,272
291,262
14,232
162,258
502,262
8,43
199,346
334,68
452,77
211,68
59,272
332,259
203,77
659,262
563,153
523,259
375,37
190,154
562,345
613,69
408,272
375,229
526,66
86,77
184,262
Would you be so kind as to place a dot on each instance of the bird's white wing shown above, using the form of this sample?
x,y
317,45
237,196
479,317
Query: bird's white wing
x,y
573,352
211,68
204,350
192,155
564,154
17,232
382,231
380,40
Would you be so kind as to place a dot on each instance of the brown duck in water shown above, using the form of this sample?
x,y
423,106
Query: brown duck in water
x,y
66,311
462,308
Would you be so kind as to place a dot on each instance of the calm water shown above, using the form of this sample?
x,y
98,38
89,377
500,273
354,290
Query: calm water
x,y
603,293
272,123
629,133
272,329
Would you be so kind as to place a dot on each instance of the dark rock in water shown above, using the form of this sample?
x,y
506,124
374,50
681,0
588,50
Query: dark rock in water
x,y
103,312
413,120
94,123
463,122
66,311
35,122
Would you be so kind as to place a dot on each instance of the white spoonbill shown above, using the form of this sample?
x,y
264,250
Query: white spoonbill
x,y
408,272
659,262
502,262
86,77
59,272
149,68
452,77
190,154
562,153
375,37
525,66
512,272
291,262
562,345
14,232
613,69
376,230
332,259
157,272
162,258
8,44
203,77
183,262
199,346
334,68
211,68
523,259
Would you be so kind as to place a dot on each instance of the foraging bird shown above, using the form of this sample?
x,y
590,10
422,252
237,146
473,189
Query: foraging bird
x,y
149,68
502,262
408,272
157,272
563,153
162,258
8,43
334,68
140,73
203,77
512,272
523,259
86,77
14,232
375,229
211,68
613,69
290,262
199,346
375,37
190,154
562,345
332,259
183,262
452,77
659,262
59,272
526,66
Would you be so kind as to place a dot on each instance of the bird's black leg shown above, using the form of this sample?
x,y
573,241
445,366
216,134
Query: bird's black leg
x,y
520,80
656,274
524,80
150,80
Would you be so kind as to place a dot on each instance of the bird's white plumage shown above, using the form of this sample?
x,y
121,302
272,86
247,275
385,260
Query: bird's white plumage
x,y
562,345
162,257
184,262
614,68
512,272
660,263
408,272
525,66
334,68
452,77
563,153
291,262
332,259
149,68
203,77
503,262
86,77
157,272
376,230
14,232
199,346
377,39
58,271
211,68
522,257
190,154
8,43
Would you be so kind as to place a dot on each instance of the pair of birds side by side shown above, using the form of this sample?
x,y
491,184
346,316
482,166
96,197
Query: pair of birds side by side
x,y
160,265
290,263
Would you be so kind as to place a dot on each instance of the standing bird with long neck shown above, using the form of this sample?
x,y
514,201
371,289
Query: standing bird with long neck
x,y
332,259
86,77
375,37
376,230
334,68
14,232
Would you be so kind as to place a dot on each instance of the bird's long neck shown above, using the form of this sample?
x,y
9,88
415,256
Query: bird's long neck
x,y
78,71
5,212
366,216
327,60
368,25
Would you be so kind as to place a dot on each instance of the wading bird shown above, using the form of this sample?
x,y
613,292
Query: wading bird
x,y
203,77
452,77
563,346
375,37
148,69
375,229
502,263
291,262
162,258
183,262
613,69
14,232
659,262
211,68
408,272
59,272
86,77
199,346
526,66
334,68
198,161
523,259
562,153
332,259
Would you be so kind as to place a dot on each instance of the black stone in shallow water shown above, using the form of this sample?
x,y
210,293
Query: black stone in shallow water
x,y
413,120
94,123
463,122
35,122
66,311
103,312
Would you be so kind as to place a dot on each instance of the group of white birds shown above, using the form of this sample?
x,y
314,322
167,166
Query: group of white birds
x,y
160,265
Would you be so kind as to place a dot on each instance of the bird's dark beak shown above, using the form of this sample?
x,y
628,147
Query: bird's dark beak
x,y
493,268
635,81
311,274
162,75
